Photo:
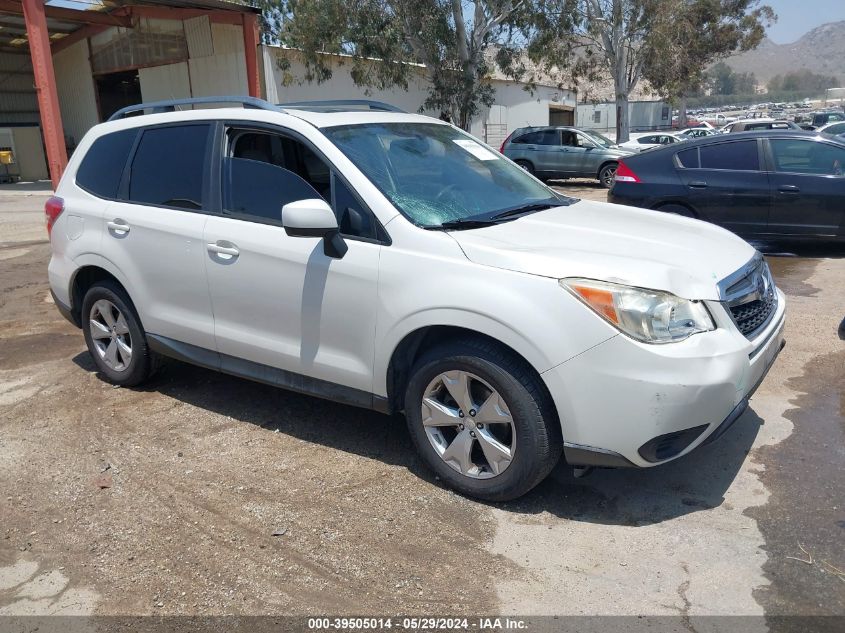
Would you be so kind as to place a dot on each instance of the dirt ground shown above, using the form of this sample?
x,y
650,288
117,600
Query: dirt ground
x,y
206,494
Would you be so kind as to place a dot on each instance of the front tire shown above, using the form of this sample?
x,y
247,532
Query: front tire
x,y
482,420
114,335
606,175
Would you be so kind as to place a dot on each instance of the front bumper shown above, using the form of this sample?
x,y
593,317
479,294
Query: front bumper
x,y
625,403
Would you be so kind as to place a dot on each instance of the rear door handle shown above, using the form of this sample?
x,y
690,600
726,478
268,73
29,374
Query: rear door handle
x,y
223,250
789,189
698,184
118,227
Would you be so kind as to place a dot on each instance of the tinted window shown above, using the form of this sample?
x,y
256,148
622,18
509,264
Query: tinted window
x,y
259,189
541,137
740,156
647,140
265,171
800,156
168,167
688,158
103,165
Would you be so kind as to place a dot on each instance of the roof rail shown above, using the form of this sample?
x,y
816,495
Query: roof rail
x,y
171,104
341,105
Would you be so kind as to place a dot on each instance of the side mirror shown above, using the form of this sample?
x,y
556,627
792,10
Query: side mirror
x,y
314,218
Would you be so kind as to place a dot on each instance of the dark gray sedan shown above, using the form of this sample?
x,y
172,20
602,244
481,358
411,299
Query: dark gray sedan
x,y
564,152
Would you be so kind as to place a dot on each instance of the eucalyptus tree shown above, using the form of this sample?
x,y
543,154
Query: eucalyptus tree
x,y
453,44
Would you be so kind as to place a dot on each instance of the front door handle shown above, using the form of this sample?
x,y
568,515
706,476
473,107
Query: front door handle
x,y
118,227
223,250
698,184
789,189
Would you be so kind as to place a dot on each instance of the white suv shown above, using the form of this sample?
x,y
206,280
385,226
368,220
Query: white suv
x,y
391,261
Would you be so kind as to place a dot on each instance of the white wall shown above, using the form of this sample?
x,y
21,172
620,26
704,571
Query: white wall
x,y
287,85
644,116
516,107
75,86
513,107
165,82
224,72
29,153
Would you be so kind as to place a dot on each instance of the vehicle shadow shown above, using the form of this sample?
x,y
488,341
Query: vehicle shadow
x,y
793,248
638,497
630,497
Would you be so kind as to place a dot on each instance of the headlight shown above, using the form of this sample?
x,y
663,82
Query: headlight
x,y
650,316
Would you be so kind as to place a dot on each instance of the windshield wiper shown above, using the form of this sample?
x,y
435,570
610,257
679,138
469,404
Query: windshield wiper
x,y
466,223
501,216
525,208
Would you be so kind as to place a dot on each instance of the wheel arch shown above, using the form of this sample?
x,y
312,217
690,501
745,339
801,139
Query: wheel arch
x,y
606,162
677,203
92,269
421,339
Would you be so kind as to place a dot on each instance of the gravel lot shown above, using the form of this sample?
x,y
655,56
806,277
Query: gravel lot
x,y
206,494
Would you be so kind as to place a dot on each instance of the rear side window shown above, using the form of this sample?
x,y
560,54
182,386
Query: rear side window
x,y
541,137
102,167
741,156
169,166
688,158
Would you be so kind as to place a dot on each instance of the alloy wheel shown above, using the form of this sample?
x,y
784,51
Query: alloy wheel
x,y
468,424
110,335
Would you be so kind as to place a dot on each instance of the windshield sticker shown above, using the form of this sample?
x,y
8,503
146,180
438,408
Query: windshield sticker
x,y
476,149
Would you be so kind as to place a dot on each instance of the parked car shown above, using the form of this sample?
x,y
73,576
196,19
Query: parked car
x,y
835,129
649,140
751,125
820,119
393,262
696,132
564,152
782,183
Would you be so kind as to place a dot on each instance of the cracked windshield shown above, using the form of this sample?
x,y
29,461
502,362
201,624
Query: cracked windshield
x,y
435,174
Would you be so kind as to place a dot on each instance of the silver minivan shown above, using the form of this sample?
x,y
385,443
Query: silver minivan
x,y
564,152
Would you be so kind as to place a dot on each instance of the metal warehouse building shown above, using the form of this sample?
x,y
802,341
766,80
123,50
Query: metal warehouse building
x,y
67,65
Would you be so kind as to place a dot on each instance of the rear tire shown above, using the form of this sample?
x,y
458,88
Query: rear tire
x,y
506,441
606,175
527,166
115,337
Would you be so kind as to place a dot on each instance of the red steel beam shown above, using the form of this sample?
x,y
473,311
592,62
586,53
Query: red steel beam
x,y
250,27
45,84
69,15
170,13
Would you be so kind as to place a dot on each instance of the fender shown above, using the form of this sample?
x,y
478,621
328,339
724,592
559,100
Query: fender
x,y
480,322
93,259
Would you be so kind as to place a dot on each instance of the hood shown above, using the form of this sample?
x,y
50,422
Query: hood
x,y
609,242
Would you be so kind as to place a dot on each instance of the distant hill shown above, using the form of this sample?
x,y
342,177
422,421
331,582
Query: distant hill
x,y
821,50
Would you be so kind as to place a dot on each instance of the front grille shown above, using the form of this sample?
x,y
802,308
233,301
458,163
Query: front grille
x,y
750,317
750,297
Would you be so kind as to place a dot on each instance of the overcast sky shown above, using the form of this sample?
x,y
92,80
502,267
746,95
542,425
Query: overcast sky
x,y
796,18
